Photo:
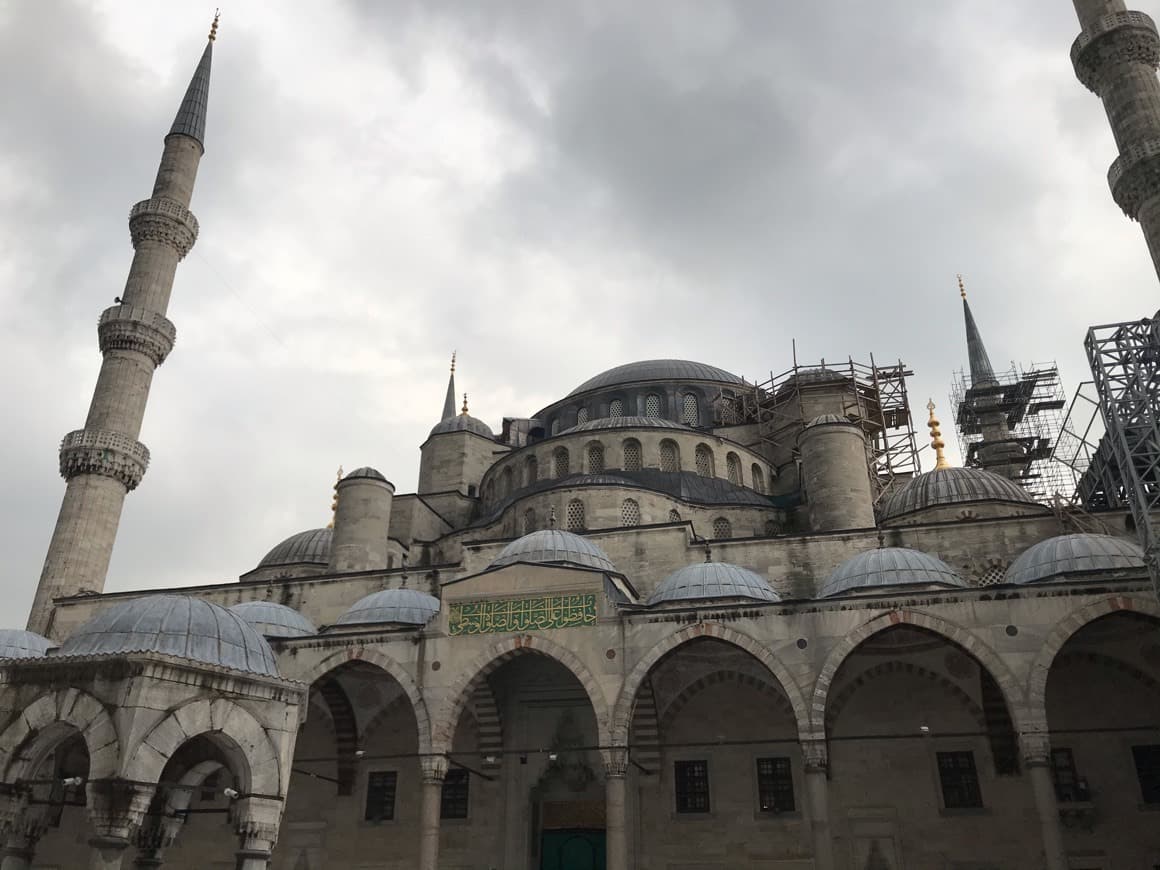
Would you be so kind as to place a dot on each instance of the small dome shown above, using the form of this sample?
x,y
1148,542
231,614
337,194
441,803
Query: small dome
x,y
366,472
706,580
174,625
391,605
829,419
463,423
952,486
626,423
657,370
16,643
1075,554
274,620
311,546
553,546
888,567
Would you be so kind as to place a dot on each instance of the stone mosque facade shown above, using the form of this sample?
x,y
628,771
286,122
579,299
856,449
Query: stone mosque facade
x,y
630,630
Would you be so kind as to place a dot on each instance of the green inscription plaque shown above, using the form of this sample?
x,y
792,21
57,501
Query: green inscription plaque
x,y
522,614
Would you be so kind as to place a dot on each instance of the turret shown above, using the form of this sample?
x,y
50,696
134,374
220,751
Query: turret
x,y
362,521
458,451
836,474
104,461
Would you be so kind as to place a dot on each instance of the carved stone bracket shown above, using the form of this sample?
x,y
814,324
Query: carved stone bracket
x,y
162,220
815,756
1134,176
434,768
98,451
257,819
1035,748
117,807
1122,37
125,327
615,762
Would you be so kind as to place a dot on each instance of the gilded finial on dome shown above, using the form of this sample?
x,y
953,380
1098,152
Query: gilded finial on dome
x,y
936,437
334,501
213,28
463,412
962,288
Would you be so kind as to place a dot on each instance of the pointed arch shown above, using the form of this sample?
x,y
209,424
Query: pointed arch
x,y
891,667
47,721
768,688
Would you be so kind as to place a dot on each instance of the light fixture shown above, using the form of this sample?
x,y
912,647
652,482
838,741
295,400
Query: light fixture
x,y
231,793
359,753
925,729
490,759
73,781
552,756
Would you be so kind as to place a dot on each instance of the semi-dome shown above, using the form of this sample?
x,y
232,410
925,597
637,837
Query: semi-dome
x,y
311,547
174,625
15,643
554,546
706,580
657,370
366,473
626,423
407,606
953,486
1075,554
272,619
889,567
463,423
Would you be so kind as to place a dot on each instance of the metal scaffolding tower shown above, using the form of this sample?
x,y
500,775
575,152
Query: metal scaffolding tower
x,y
1084,447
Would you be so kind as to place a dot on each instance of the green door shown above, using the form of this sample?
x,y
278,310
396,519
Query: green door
x,y
572,850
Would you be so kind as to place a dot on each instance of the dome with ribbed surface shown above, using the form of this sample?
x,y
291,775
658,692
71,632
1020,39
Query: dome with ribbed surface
x,y
16,643
463,423
274,620
889,567
174,625
657,370
953,486
406,606
626,423
311,547
706,580
552,547
829,420
1058,557
366,472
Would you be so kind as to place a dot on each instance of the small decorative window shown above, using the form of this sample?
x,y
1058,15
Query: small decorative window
x,y
595,457
381,786
556,427
652,405
674,516
560,462
531,470
722,529
774,785
1147,759
630,512
959,780
758,478
454,801
733,468
690,413
581,416
704,457
529,521
670,456
691,779
631,449
615,408
575,515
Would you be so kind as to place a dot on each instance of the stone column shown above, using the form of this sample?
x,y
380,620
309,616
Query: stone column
x,y
616,807
430,804
153,838
116,809
20,845
1036,750
257,820
816,756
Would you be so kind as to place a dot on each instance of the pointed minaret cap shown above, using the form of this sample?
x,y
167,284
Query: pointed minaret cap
x,y
449,399
190,120
936,438
981,371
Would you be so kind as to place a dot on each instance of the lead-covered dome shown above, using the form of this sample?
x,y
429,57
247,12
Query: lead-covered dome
x,y
953,486
626,423
889,567
174,625
272,619
554,547
1075,554
310,547
657,370
406,606
706,580
463,423
16,643
366,473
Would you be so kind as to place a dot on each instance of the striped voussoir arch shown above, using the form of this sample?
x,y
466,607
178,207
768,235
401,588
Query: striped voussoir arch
x,y
843,697
645,737
488,724
748,681
345,732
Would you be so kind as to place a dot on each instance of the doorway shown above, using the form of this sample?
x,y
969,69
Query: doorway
x,y
572,849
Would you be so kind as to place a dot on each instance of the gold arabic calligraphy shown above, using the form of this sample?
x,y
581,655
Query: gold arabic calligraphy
x,y
522,614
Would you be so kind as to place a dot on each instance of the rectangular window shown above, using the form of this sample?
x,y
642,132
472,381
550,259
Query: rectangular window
x,y
455,794
381,785
960,780
1068,786
1147,760
692,783
774,785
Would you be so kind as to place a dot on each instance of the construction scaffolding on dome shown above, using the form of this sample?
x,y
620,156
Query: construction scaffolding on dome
x,y
1086,450
1033,401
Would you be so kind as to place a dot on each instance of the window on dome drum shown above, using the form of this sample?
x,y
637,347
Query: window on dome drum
x,y
630,512
674,516
531,470
722,529
959,780
670,456
631,449
691,779
758,478
454,801
581,416
774,785
1147,760
704,458
733,468
615,408
575,515
505,483
595,457
1070,787
690,413
529,521
555,427
381,786
560,462
652,405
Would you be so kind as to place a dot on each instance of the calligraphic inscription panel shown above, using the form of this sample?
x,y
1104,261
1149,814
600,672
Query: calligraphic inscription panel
x,y
522,614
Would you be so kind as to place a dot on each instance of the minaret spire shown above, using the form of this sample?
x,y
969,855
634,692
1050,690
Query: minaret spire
x,y
104,461
981,371
449,399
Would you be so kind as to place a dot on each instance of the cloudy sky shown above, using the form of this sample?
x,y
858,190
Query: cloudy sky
x,y
552,188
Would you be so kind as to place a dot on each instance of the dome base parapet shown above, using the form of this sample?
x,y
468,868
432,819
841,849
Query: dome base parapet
x,y
162,220
1119,38
126,327
110,454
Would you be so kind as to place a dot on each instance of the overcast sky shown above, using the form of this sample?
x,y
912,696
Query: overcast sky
x,y
553,188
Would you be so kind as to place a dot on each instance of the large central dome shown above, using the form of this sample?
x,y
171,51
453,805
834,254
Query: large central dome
x,y
657,370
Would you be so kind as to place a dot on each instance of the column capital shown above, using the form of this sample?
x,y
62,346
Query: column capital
x,y
13,805
815,755
434,768
116,809
257,820
615,760
1035,748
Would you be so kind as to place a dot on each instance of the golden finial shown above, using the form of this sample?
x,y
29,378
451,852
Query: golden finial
x,y
334,501
453,361
962,289
936,438
217,15
464,411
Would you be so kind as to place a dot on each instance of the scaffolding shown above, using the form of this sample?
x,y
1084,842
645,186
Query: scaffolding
x,y
1084,447
1033,401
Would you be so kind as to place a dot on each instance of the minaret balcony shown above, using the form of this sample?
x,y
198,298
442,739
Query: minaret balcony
x,y
1119,38
127,327
160,219
110,454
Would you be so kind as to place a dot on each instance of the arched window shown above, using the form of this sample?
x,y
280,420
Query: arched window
x,y
770,528
529,521
652,405
704,460
556,427
733,468
595,457
575,515
505,483
489,492
674,516
690,413
581,416
615,408
629,512
631,448
670,456
560,467
722,529
758,478
531,470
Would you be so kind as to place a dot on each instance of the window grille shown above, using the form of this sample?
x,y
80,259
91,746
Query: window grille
x,y
722,529
529,521
595,458
758,478
380,805
575,515
616,408
704,458
454,800
691,779
531,470
990,576
632,455
674,516
733,468
630,512
770,528
652,405
959,780
1147,760
774,785
581,416
690,414
560,462
670,456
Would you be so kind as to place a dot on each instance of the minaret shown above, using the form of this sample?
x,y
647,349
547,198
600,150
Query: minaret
x,y
1115,57
449,399
104,460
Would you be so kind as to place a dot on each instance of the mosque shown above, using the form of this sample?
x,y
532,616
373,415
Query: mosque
x,y
675,620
